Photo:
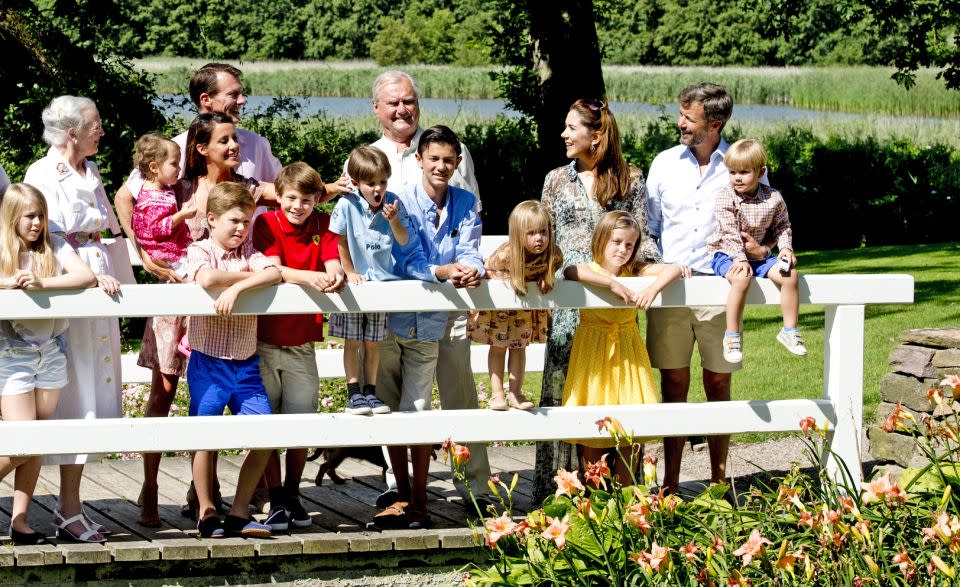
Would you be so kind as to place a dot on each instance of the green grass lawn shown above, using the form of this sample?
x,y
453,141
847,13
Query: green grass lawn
x,y
770,372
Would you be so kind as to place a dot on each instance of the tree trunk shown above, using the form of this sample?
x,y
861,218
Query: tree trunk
x,y
566,56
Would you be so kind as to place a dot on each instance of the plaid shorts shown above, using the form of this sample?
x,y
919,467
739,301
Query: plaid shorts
x,y
361,326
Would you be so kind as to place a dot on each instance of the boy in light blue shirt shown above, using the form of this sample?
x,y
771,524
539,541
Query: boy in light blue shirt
x,y
372,228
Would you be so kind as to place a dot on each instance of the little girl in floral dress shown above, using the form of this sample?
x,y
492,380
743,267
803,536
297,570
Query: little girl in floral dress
x,y
528,255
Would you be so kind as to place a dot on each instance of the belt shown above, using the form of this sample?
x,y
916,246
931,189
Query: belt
x,y
78,239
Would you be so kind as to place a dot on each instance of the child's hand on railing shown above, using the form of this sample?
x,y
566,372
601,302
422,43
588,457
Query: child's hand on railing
x,y
623,292
329,282
226,300
645,298
109,284
355,278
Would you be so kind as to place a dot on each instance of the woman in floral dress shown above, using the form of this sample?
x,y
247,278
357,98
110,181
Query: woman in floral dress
x,y
597,180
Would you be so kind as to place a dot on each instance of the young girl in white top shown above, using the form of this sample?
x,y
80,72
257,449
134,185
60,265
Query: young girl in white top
x,y
158,221
33,366
528,255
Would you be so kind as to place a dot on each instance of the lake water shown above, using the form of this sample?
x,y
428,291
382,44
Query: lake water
x,y
358,107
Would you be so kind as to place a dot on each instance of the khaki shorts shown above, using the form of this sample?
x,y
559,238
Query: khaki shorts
x,y
405,373
671,333
290,377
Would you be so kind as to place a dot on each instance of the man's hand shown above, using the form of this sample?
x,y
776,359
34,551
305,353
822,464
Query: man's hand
x,y
754,250
461,275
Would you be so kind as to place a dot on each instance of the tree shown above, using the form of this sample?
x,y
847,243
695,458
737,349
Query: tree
x,y
554,54
926,33
39,63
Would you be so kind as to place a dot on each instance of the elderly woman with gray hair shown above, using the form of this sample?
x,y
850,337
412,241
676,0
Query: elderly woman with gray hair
x,y
79,210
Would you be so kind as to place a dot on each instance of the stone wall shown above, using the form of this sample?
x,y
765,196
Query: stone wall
x,y
924,358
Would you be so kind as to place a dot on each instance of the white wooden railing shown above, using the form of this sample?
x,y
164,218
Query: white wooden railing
x,y
843,297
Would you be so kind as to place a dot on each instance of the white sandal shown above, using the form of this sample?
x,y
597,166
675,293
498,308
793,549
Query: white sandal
x,y
64,533
90,523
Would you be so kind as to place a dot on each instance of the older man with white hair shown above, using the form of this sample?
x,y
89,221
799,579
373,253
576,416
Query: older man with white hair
x,y
396,103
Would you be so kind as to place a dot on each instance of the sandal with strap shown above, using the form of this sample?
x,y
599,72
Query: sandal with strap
x,y
88,535
498,403
392,517
517,401
58,519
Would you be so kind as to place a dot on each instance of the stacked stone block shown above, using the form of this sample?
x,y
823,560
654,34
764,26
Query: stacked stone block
x,y
924,357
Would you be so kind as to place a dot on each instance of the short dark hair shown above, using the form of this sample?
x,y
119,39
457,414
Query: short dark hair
x,y
717,102
204,81
439,134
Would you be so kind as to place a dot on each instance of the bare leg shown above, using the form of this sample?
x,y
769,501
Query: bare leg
x,y
496,358
203,467
674,385
250,473
789,295
398,460
163,389
735,300
351,360
717,388
371,360
517,365
272,474
420,455
20,407
69,502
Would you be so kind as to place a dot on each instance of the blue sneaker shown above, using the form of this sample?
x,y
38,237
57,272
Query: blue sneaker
x,y
377,406
246,527
358,406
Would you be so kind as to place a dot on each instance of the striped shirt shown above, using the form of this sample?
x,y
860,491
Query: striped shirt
x,y
763,216
225,337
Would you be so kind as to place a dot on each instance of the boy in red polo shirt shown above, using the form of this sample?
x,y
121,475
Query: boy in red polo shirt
x,y
296,238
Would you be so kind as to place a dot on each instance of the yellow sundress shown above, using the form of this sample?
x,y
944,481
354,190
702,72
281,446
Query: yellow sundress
x,y
609,364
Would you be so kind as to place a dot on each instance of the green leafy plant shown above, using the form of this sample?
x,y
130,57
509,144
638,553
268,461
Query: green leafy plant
x,y
806,528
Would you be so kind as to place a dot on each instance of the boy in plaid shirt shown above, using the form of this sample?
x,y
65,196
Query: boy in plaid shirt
x,y
747,206
224,369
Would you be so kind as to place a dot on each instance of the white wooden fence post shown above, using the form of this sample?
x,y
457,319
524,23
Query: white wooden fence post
x,y
843,387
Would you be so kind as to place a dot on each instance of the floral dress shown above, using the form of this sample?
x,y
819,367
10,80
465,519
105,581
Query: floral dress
x,y
513,329
575,215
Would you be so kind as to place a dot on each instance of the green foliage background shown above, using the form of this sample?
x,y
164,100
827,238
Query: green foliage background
x,y
649,32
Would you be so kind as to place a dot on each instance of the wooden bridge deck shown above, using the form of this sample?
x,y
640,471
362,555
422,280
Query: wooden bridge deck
x,y
340,513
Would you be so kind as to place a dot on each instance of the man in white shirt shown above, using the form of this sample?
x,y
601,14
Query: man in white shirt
x,y
214,88
396,103
681,188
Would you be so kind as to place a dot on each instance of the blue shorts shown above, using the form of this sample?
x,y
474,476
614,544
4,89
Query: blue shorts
x,y
721,264
216,384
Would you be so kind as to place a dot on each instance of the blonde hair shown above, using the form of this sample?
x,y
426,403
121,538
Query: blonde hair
x,y
368,164
300,177
618,219
18,198
151,148
229,195
745,154
529,216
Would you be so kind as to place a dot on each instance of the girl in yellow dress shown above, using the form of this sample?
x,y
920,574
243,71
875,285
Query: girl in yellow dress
x,y
609,363
528,255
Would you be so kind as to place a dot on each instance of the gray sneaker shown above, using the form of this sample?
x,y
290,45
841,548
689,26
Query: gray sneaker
x,y
793,341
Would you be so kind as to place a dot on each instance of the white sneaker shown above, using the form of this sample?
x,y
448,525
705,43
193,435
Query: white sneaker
x,y
732,348
793,341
